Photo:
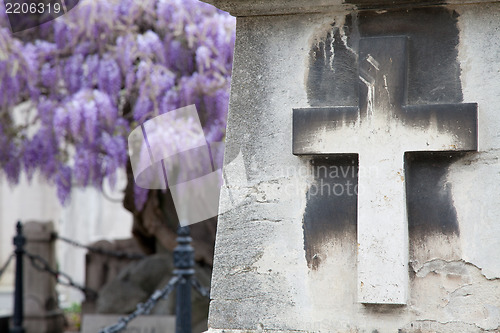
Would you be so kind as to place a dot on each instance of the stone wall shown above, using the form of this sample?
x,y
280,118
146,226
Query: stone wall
x,y
269,272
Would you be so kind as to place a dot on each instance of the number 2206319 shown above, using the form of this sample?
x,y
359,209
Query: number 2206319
x,y
32,8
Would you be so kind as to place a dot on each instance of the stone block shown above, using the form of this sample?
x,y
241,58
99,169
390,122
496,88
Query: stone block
x,y
41,305
289,257
92,323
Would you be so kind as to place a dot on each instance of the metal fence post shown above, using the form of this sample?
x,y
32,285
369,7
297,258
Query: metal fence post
x,y
184,264
17,320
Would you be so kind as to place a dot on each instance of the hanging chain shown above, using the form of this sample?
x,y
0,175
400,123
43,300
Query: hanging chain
x,y
62,278
109,253
4,267
143,308
204,292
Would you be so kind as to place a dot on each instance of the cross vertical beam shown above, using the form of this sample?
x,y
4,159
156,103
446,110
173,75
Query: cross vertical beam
x,y
382,222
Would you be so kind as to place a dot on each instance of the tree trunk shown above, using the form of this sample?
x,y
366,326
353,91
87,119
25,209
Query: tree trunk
x,y
155,225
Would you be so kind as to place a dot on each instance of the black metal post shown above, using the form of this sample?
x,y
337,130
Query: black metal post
x,y
184,264
17,320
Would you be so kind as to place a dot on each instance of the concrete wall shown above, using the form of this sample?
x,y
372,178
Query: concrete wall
x,y
87,218
262,280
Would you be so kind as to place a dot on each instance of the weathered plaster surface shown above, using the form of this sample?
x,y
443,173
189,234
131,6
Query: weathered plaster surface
x,y
261,278
261,270
280,7
476,199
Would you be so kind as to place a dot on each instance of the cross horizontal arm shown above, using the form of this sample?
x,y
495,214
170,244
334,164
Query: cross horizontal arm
x,y
459,120
309,121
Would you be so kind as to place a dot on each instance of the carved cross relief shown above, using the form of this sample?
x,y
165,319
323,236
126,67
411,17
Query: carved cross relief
x,y
381,130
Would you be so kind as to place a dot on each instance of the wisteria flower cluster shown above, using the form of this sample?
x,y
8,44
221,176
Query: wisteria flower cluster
x,y
73,88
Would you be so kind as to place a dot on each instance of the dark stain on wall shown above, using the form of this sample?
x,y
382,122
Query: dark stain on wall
x,y
333,82
434,71
331,204
428,194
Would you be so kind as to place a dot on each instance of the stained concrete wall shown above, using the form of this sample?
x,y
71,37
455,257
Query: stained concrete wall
x,y
262,280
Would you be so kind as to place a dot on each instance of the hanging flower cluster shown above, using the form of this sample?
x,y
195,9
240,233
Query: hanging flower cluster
x,y
72,89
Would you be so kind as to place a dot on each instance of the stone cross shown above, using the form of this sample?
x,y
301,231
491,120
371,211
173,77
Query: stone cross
x,y
381,130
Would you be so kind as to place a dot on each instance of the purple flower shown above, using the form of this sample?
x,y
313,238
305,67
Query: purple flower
x,y
129,81
41,152
75,117
203,57
189,89
165,54
116,156
89,117
91,71
179,58
143,108
45,49
115,147
10,159
61,32
150,46
109,77
73,73
12,167
63,183
61,122
170,101
128,50
48,75
105,108
46,110
81,168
